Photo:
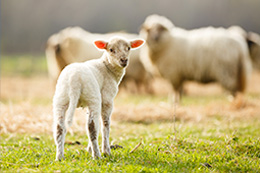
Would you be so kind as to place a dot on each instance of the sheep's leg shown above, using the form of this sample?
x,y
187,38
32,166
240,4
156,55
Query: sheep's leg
x,y
177,93
92,131
180,93
59,131
106,114
89,149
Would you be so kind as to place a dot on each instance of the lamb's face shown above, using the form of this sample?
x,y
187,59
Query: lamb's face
x,y
119,51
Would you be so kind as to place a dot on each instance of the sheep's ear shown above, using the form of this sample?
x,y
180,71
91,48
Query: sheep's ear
x,y
251,39
100,44
137,43
162,28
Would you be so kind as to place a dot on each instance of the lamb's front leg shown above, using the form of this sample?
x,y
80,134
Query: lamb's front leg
x,y
106,114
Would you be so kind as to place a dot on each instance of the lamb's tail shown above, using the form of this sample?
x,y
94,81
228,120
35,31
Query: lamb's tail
x,y
74,98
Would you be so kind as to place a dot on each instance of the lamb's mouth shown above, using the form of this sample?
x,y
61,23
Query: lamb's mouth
x,y
123,64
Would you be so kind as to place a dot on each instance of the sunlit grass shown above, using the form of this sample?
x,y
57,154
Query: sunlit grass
x,y
185,101
23,65
222,139
201,147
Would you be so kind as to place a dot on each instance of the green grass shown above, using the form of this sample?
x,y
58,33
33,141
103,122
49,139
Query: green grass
x,y
212,145
227,148
23,65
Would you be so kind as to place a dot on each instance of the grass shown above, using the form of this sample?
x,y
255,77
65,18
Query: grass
x,y
197,148
223,139
186,101
23,65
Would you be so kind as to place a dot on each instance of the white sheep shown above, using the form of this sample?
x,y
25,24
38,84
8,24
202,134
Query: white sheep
x,y
203,55
254,48
253,42
74,44
92,84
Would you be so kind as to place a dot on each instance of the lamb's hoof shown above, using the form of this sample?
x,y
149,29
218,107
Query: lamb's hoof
x,y
106,154
96,155
58,159
115,146
89,150
96,158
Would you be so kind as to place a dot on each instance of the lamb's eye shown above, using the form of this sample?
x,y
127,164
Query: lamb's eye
x,y
128,48
111,50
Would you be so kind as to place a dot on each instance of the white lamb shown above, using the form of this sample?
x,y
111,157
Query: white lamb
x,y
203,55
92,84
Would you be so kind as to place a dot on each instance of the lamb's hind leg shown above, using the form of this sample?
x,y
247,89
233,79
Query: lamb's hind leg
x,y
59,130
89,148
106,114
93,130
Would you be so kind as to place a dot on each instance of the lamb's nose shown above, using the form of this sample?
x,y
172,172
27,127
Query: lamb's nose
x,y
124,60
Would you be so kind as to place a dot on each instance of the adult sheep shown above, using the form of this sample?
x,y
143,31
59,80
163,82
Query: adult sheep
x,y
203,55
254,48
253,42
74,44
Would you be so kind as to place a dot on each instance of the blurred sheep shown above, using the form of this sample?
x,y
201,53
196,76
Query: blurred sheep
x,y
254,48
253,41
74,44
203,55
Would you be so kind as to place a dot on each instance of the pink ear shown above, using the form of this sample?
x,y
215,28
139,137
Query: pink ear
x,y
136,43
101,44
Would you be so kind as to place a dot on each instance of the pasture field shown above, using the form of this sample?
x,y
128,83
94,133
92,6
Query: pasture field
x,y
211,133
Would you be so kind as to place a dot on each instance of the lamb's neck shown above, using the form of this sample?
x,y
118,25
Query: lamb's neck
x,y
116,72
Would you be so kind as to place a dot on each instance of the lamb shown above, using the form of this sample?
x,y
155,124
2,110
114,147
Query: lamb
x,y
74,44
92,84
203,55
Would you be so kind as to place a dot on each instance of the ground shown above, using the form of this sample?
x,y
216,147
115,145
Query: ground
x,y
212,132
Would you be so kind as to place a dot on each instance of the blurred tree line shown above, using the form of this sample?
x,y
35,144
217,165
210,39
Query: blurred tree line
x,y
27,24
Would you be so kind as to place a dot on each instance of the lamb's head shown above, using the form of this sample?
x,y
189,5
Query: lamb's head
x,y
118,49
156,29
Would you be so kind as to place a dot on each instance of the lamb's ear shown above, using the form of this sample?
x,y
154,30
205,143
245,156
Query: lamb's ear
x,y
137,43
100,44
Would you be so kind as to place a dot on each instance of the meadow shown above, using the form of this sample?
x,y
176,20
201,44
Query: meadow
x,y
212,132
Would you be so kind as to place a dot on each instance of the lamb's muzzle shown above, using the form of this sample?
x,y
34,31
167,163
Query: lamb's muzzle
x,y
123,62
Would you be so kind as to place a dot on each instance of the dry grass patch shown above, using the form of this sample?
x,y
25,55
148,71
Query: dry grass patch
x,y
26,106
